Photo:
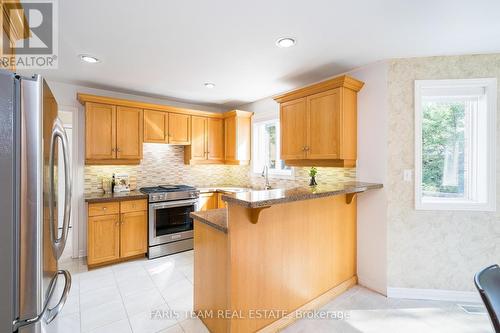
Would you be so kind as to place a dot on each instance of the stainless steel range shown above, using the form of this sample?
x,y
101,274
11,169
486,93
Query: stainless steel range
x,y
170,227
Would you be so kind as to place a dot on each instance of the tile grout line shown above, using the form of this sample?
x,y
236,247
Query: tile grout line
x,y
163,297
123,301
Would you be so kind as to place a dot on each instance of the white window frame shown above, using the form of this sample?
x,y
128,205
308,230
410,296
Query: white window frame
x,y
257,164
459,87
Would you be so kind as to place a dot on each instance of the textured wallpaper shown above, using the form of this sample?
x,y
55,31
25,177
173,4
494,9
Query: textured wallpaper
x,y
432,249
164,164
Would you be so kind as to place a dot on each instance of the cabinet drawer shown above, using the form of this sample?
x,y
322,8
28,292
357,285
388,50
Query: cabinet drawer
x,y
105,208
133,206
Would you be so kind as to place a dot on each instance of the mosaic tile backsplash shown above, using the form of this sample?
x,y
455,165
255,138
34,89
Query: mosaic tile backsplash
x,y
164,164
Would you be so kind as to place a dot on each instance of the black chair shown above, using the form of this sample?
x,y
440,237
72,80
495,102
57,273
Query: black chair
x,y
488,284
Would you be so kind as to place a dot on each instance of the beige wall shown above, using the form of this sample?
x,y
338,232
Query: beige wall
x,y
372,167
432,249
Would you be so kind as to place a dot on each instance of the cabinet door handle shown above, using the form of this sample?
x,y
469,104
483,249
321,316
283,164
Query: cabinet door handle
x,y
118,150
113,150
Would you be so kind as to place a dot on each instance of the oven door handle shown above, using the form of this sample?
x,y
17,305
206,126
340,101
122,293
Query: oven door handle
x,y
173,204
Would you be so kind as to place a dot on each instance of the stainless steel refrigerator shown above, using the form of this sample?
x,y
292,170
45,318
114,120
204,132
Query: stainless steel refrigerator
x,y
31,137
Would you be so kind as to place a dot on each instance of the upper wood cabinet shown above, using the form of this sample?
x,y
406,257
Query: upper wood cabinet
x,y
215,139
15,28
113,134
293,121
179,129
237,134
155,126
319,123
129,133
207,141
166,127
116,130
100,132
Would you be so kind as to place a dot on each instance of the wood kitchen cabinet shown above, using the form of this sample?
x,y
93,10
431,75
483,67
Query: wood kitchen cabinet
x,y
207,201
179,129
100,132
237,134
319,124
129,133
166,127
115,130
116,231
293,127
207,141
155,126
133,237
113,134
103,239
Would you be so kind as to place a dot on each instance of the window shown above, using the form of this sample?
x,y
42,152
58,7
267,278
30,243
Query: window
x,y
455,140
267,149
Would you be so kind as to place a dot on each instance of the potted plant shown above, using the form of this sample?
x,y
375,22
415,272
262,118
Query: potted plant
x,y
312,173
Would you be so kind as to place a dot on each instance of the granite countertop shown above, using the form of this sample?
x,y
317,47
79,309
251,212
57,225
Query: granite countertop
x,y
103,197
256,199
216,218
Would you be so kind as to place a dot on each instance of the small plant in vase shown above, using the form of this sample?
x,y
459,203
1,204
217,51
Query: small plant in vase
x,y
312,173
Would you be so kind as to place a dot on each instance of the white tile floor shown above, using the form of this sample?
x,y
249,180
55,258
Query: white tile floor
x,y
121,299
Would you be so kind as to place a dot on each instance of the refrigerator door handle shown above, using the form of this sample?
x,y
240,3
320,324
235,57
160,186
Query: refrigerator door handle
x,y
52,313
48,313
59,243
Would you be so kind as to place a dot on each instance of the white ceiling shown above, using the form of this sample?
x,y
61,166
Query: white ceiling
x,y
169,48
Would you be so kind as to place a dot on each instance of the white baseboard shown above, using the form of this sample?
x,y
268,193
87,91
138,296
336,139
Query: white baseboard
x,y
434,295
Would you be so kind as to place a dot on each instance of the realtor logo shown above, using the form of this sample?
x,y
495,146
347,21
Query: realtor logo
x,y
31,30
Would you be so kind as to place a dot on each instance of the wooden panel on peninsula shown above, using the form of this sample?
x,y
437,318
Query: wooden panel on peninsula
x,y
300,254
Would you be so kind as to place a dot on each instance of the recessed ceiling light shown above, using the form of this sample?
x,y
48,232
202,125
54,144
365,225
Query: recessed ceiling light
x,y
285,42
209,85
89,59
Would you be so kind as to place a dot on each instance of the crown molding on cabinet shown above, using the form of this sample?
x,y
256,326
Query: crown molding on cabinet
x,y
341,81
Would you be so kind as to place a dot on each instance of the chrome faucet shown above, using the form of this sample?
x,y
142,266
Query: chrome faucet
x,y
265,174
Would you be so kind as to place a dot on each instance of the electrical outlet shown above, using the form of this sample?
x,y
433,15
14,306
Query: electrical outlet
x,y
407,175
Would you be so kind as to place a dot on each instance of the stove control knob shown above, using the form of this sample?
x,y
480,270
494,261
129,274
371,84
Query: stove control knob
x,y
154,197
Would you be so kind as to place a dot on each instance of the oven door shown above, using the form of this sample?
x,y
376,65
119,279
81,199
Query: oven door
x,y
170,221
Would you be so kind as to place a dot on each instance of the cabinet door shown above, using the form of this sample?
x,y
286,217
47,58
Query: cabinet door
x,y
103,238
230,139
293,123
179,129
129,125
207,201
221,203
155,126
133,233
100,131
323,118
198,138
215,135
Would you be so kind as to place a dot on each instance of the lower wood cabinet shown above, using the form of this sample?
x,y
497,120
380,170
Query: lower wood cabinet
x,y
133,233
116,231
210,200
103,238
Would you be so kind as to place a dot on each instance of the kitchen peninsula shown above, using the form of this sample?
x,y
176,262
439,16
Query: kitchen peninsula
x,y
276,252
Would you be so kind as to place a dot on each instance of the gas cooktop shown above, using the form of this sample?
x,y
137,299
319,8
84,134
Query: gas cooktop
x,y
170,192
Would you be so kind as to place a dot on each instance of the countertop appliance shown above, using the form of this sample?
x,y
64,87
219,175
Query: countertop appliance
x,y
31,136
170,228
